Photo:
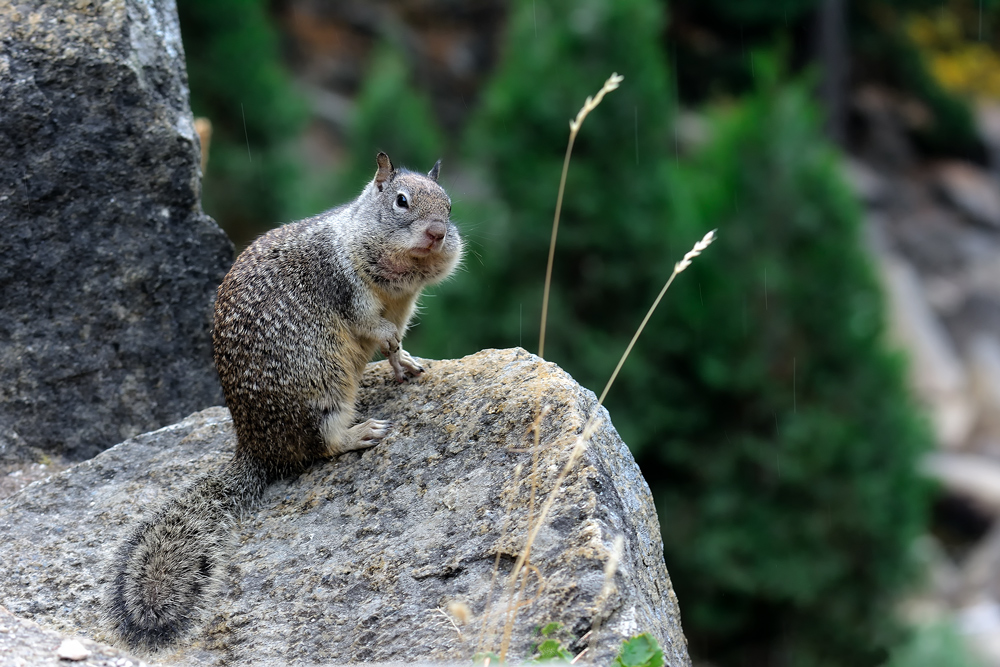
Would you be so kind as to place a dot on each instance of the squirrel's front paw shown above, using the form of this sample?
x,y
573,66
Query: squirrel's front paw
x,y
409,364
390,344
403,365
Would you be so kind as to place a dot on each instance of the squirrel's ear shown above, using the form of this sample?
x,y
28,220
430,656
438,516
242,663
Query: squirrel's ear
x,y
384,170
435,170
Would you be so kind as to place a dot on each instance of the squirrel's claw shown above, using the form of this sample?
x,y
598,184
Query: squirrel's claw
x,y
364,435
409,364
403,365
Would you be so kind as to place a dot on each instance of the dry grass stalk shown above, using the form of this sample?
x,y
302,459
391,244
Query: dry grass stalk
x,y
574,128
203,127
580,444
578,447
451,620
534,526
698,248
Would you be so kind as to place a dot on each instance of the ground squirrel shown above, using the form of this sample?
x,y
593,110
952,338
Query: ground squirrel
x,y
296,320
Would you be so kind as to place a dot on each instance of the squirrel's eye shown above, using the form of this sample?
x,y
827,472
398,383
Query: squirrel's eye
x,y
401,201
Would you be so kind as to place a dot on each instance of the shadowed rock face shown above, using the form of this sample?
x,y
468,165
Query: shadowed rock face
x,y
358,559
108,267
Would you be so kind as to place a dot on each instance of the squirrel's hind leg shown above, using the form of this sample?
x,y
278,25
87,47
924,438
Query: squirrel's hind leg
x,y
340,438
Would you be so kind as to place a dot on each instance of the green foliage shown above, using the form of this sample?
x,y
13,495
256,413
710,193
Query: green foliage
x,y
390,116
887,53
770,422
952,128
640,651
611,242
237,81
550,628
551,648
713,40
782,449
548,650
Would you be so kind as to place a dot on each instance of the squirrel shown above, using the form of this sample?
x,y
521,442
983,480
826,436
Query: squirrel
x,y
297,318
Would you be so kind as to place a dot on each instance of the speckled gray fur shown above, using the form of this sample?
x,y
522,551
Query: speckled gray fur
x,y
297,318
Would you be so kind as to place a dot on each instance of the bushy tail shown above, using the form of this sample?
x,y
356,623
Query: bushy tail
x,y
165,573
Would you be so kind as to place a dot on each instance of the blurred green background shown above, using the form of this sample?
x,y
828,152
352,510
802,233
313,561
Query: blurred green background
x,y
763,403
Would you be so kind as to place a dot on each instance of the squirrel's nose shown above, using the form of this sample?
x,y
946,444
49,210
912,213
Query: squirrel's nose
x,y
436,231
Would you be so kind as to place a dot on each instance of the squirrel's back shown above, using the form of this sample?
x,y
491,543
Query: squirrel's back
x,y
282,343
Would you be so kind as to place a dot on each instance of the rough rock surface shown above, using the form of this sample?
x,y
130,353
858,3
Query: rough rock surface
x,y
25,643
361,558
108,267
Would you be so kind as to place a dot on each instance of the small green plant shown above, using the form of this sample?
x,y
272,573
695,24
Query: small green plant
x,y
640,651
551,647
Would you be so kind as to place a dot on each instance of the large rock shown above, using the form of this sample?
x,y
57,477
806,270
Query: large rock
x,y
374,555
108,267
24,643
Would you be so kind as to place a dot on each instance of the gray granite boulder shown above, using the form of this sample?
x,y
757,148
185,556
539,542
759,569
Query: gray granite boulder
x,y
108,267
387,554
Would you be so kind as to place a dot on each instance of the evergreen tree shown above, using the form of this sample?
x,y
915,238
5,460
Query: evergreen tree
x,y
783,448
769,420
391,116
254,177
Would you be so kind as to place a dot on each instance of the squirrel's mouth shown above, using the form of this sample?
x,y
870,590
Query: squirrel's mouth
x,y
418,259
405,266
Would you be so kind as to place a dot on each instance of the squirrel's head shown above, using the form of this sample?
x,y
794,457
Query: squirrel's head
x,y
414,243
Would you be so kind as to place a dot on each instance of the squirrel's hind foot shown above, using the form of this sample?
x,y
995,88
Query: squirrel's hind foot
x,y
362,436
